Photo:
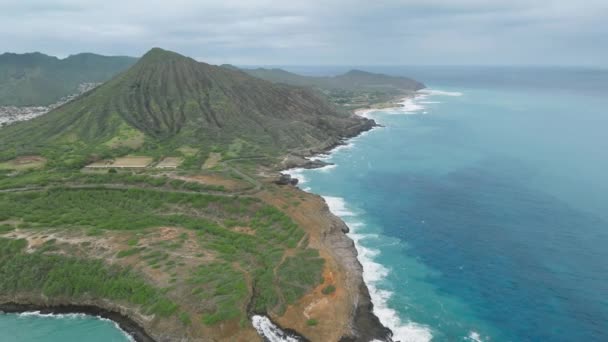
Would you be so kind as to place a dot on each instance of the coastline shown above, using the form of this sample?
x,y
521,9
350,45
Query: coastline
x,y
126,324
366,326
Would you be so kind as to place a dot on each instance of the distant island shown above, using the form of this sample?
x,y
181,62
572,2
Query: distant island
x,y
156,199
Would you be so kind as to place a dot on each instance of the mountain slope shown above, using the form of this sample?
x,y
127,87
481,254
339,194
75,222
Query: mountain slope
x,y
173,101
352,80
37,79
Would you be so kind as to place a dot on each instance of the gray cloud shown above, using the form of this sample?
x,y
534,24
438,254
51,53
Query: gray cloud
x,y
317,32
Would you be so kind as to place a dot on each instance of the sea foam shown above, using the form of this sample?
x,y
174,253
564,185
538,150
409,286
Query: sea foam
x,y
297,173
440,92
373,274
52,315
270,331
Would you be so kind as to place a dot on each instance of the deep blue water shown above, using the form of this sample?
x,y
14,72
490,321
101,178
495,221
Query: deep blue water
x,y
484,216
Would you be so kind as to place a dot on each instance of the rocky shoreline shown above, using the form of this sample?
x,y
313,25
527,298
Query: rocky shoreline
x,y
365,325
124,322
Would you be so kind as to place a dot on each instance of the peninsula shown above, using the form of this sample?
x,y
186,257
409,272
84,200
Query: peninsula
x,y
154,199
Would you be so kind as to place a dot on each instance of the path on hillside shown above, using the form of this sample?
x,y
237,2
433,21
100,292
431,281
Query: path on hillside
x,y
257,185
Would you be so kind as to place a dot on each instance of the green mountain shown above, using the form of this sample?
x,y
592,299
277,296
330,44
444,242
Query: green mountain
x,y
352,80
167,101
35,79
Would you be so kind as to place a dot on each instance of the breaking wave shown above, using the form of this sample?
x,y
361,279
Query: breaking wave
x,y
270,331
440,92
373,274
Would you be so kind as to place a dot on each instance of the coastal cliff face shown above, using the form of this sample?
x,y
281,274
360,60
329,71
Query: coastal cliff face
x,y
365,324
346,314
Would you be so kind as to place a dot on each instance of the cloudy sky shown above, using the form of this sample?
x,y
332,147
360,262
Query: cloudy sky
x,y
312,32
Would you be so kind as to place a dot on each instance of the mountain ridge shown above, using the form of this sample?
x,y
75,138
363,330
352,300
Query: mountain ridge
x,y
354,79
37,79
175,100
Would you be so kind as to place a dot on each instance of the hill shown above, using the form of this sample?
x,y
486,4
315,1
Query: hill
x,y
352,80
178,222
352,90
35,79
167,101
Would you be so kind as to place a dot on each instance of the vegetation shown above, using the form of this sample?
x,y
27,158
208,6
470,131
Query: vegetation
x,y
312,322
61,276
246,268
137,111
353,89
194,252
329,289
35,79
352,80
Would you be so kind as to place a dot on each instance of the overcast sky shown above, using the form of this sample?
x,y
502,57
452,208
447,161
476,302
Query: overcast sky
x,y
311,32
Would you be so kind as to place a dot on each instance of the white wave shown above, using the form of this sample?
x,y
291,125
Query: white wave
x,y
347,146
127,335
51,315
297,173
327,168
373,273
474,337
266,328
366,112
440,92
321,157
337,205
410,105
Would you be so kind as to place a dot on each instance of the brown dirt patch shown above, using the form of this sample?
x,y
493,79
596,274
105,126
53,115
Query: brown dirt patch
x,y
215,179
24,163
212,161
123,162
244,230
169,163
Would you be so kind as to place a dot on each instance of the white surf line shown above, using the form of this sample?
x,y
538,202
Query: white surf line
x,y
270,331
373,274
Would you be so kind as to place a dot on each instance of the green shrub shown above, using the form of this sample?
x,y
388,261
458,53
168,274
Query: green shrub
x,y
329,289
184,317
312,322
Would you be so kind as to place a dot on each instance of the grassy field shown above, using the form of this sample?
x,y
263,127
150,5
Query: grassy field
x,y
58,275
246,242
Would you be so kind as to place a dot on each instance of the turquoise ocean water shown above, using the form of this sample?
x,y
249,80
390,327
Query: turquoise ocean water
x,y
34,327
480,210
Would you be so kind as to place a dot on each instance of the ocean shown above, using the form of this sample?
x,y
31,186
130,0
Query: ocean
x,y
480,208
36,327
